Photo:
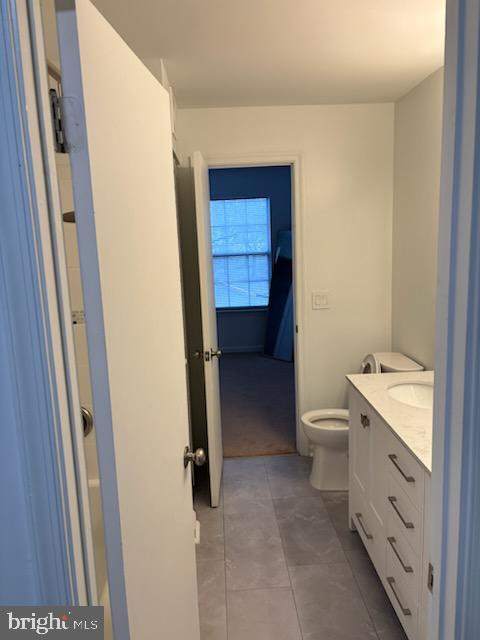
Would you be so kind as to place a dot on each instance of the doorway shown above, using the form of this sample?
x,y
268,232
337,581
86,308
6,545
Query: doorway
x,y
87,462
251,239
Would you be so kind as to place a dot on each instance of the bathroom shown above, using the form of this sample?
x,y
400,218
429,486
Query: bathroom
x,y
372,246
332,540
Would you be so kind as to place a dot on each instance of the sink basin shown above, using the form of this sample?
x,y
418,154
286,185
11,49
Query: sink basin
x,y
415,394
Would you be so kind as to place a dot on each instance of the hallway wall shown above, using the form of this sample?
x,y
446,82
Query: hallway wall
x,y
347,182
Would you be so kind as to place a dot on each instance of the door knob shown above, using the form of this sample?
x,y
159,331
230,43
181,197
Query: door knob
x,y
198,456
216,353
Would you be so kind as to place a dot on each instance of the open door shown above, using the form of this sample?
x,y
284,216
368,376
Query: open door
x,y
117,125
211,352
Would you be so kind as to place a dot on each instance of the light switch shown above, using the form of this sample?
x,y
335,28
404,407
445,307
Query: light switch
x,y
320,299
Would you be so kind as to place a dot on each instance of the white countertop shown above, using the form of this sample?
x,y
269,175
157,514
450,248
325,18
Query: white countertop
x,y
413,426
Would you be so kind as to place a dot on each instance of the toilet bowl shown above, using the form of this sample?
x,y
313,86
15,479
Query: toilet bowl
x,y
327,429
327,432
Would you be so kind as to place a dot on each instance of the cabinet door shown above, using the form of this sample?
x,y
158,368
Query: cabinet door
x,y
359,437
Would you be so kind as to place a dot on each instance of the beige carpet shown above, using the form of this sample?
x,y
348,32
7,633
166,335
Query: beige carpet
x,y
258,405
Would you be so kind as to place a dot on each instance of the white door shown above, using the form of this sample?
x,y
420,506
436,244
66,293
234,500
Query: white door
x,y
209,326
118,125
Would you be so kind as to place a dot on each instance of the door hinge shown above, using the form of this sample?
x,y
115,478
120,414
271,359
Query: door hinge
x,y
430,577
57,122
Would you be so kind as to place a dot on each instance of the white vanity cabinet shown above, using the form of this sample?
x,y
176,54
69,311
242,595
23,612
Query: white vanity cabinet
x,y
389,491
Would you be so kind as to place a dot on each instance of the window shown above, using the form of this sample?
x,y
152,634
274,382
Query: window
x,y
241,252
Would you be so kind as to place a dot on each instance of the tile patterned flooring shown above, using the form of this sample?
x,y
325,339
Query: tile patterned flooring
x,y
278,562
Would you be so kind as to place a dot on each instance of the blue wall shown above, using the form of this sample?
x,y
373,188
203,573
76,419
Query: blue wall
x,y
245,330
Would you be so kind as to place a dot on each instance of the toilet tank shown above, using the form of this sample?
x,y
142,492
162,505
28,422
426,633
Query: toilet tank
x,y
388,362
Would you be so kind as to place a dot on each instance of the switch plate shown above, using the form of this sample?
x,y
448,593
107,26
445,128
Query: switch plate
x,y
320,299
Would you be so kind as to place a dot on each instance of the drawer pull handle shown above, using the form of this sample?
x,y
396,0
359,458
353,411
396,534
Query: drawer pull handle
x,y
393,543
394,460
365,420
405,610
368,535
393,501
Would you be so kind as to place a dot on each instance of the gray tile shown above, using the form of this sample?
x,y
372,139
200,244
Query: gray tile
x,y
307,533
238,468
212,539
253,551
329,603
262,614
381,611
336,503
392,630
212,599
288,476
245,486
292,463
240,500
384,618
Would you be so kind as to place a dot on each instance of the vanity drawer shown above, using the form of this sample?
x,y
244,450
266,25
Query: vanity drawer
x,y
369,530
404,601
403,467
401,556
404,516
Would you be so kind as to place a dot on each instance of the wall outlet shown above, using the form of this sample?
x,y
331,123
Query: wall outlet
x,y
320,299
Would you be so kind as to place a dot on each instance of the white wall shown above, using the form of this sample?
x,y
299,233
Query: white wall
x,y
418,129
347,165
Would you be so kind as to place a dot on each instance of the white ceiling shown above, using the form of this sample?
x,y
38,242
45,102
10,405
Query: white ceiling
x,y
281,52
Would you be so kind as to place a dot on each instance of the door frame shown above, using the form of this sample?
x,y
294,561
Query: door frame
x,y
36,89
294,161
456,438
59,309
45,453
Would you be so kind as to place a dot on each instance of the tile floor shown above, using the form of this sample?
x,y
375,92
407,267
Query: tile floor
x,y
278,562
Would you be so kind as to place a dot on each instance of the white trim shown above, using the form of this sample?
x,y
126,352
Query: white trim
x,y
293,159
59,312
248,349
458,322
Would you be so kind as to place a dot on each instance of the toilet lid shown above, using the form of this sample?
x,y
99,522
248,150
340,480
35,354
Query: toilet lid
x,y
391,361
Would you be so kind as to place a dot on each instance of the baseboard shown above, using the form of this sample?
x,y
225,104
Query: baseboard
x,y
251,349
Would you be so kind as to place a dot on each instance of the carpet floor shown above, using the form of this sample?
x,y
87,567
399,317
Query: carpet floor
x,y
258,405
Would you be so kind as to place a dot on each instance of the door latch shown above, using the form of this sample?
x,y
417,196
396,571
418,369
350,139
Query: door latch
x,y
208,355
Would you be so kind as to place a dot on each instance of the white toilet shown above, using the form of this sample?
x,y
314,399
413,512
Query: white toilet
x,y
327,429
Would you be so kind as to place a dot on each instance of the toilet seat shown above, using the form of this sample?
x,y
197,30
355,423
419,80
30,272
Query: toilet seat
x,y
314,418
